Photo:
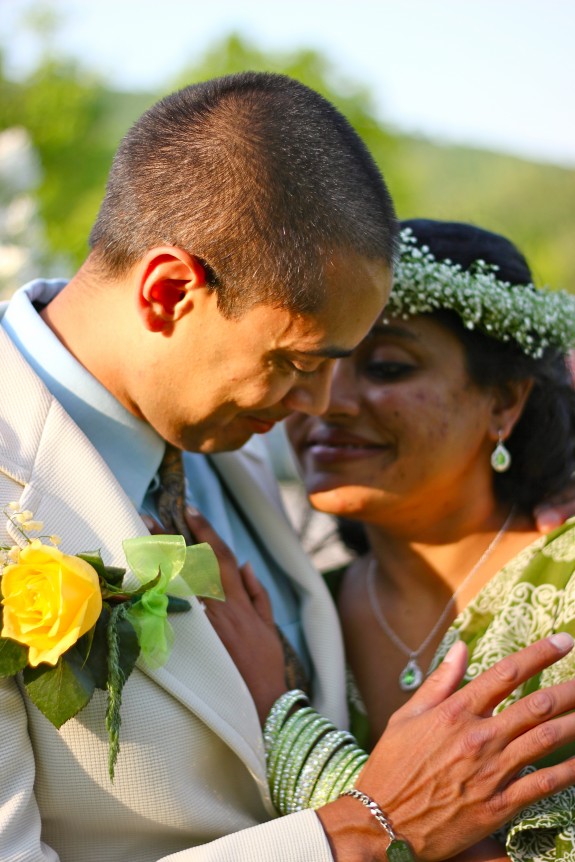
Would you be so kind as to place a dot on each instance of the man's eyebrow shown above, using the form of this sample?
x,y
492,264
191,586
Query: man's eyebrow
x,y
328,352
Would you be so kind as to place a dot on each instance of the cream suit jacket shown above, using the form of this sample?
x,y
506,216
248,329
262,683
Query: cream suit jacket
x,y
190,780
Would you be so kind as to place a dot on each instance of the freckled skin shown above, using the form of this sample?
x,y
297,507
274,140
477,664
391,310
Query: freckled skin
x,y
406,390
405,448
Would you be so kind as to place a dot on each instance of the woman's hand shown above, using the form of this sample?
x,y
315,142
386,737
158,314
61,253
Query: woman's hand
x,y
244,621
556,510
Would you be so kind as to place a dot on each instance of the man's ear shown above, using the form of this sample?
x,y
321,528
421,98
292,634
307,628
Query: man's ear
x,y
508,403
165,282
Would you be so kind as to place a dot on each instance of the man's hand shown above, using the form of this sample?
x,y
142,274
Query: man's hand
x,y
445,771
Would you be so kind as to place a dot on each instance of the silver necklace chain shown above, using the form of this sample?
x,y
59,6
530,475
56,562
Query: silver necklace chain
x,y
411,676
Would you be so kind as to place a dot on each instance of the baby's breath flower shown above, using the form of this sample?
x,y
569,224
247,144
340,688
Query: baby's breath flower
x,y
33,525
13,506
534,318
55,540
23,517
13,554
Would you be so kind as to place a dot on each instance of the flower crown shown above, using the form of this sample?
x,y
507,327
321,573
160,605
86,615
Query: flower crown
x,y
534,318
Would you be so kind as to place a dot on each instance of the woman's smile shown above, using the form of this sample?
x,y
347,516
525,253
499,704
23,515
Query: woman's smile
x,y
327,445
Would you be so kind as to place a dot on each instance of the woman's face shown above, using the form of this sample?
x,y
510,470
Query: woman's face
x,y
406,430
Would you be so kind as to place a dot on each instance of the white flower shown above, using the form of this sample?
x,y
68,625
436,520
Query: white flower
x,y
534,318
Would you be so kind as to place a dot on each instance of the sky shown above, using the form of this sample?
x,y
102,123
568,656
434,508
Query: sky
x,y
497,74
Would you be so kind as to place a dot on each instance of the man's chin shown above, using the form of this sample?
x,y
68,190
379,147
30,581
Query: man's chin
x,y
221,443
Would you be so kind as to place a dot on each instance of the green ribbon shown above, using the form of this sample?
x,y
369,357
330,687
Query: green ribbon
x,y
168,566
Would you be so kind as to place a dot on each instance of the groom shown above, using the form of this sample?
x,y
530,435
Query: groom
x,y
244,243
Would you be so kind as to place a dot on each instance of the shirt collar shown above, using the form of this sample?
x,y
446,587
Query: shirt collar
x,y
130,447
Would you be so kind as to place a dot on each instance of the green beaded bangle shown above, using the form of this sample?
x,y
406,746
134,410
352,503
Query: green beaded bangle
x,y
291,735
344,765
305,743
278,714
350,775
312,770
309,762
285,737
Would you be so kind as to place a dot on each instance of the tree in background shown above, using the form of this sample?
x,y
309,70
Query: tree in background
x,y
75,122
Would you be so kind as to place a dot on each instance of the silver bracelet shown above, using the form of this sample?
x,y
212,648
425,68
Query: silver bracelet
x,y
398,849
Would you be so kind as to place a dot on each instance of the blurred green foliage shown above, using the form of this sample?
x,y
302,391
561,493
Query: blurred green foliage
x,y
75,121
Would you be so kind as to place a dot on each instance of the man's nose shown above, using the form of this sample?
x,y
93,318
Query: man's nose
x,y
311,395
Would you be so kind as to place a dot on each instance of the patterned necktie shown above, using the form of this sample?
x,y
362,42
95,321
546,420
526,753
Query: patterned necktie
x,y
171,502
171,495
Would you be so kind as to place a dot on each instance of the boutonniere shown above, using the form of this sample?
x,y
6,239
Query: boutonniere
x,y
70,624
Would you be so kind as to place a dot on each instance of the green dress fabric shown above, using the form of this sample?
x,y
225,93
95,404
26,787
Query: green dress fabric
x,y
532,597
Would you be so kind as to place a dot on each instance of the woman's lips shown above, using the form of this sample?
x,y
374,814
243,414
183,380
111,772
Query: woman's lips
x,y
341,448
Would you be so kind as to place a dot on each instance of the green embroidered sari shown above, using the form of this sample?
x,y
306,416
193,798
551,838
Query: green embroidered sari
x,y
532,597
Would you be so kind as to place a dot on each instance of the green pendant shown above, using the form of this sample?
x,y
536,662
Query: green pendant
x,y
400,851
411,676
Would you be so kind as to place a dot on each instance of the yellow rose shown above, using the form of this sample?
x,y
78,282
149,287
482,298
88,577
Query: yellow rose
x,y
50,600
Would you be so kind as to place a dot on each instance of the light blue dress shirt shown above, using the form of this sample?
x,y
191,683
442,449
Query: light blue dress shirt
x,y
133,450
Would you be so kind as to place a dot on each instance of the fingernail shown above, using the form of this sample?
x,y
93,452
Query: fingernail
x,y
192,511
451,654
548,521
148,521
563,641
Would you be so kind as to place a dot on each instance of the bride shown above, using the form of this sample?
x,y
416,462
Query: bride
x,y
447,425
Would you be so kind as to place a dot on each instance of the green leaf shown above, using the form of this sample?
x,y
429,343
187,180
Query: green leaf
x,y
95,653
13,657
60,692
135,594
111,574
177,605
114,575
95,560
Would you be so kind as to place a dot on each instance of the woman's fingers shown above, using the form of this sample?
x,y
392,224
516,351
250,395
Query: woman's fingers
x,y
154,527
556,509
204,532
257,593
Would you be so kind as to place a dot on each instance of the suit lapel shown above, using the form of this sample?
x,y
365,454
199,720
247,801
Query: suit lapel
x,y
67,485
319,617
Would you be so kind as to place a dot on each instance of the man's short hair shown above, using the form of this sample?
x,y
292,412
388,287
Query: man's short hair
x,y
259,177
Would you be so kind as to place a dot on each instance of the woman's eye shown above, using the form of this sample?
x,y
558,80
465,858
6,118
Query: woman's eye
x,y
380,370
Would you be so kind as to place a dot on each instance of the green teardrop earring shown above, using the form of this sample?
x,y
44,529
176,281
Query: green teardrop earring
x,y
500,457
